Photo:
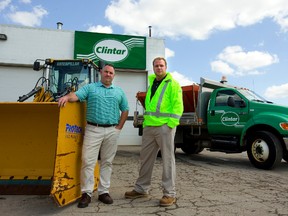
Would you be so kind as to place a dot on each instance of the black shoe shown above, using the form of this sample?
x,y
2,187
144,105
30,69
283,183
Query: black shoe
x,y
105,198
84,201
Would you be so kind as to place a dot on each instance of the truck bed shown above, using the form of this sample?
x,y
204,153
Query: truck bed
x,y
190,101
190,97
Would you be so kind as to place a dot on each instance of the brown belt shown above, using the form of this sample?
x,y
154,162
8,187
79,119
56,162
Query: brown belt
x,y
101,125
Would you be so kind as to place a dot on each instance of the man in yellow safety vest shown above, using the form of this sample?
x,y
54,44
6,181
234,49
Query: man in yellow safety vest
x,y
163,109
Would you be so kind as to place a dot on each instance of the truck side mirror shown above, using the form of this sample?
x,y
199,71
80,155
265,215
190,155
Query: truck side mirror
x,y
242,103
36,66
231,102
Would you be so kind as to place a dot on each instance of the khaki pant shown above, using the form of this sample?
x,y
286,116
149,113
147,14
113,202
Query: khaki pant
x,y
154,138
94,139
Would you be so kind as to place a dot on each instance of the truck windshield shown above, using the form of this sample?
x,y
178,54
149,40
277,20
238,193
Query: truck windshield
x,y
250,95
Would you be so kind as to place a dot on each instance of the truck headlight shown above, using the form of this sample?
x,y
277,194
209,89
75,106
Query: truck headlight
x,y
284,125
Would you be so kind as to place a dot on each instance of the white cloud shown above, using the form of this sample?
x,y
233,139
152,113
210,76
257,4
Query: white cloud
x,y
222,67
276,92
183,80
31,19
100,29
169,53
4,4
26,1
250,60
282,20
193,18
233,60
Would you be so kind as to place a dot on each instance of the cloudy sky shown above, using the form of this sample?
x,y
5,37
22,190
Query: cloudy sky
x,y
247,41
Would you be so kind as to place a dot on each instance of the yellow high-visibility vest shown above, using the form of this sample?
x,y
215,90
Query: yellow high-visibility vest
x,y
166,106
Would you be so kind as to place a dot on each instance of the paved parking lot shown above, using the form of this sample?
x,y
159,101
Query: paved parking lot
x,y
207,184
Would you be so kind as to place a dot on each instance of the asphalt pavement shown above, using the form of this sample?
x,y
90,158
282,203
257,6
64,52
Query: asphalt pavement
x,y
209,183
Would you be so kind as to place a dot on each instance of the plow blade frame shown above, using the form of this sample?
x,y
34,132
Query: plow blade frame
x,y
41,147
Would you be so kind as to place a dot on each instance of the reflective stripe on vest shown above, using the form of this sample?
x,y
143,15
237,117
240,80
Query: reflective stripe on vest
x,y
157,113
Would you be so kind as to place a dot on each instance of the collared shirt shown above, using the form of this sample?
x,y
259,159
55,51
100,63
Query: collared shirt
x,y
155,86
103,104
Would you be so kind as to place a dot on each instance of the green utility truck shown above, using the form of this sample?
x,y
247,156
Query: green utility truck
x,y
225,118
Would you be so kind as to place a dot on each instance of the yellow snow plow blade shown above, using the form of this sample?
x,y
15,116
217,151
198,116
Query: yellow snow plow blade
x,y
41,147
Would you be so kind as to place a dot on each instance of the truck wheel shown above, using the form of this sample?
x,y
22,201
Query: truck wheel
x,y
264,150
191,148
285,156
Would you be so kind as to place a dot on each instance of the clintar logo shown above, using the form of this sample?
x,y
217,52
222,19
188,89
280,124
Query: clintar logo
x,y
73,129
111,50
230,119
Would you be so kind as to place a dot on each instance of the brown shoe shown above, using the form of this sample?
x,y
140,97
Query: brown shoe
x,y
105,198
84,201
167,201
134,194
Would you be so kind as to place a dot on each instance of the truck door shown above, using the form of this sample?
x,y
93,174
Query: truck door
x,y
225,117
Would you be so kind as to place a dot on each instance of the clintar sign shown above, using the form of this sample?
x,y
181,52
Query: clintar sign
x,y
122,51
111,50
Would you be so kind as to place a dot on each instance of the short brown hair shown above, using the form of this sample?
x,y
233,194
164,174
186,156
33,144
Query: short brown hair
x,y
160,58
111,65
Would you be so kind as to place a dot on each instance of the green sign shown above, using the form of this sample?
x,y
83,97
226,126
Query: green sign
x,y
122,51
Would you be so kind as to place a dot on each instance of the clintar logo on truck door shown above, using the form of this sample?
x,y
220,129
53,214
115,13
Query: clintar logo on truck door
x,y
230,119
111,50
123,51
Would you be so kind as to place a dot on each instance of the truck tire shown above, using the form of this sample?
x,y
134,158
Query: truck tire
x,y
285,156
191,148
264,150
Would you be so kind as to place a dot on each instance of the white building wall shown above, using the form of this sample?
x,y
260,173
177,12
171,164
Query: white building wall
x,y
24,45
17,81
131,83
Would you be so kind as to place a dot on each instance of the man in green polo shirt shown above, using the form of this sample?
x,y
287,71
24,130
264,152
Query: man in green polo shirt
x,y
107,111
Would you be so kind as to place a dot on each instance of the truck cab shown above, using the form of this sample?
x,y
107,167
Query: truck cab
x,y
61,76
239,120
67,74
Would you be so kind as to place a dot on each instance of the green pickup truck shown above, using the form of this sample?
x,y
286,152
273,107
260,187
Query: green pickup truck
x,y
225,118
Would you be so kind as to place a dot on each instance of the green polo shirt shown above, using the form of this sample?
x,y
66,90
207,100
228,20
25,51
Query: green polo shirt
x,y
103,104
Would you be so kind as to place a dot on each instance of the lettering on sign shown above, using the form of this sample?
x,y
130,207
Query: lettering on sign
x,y
111,50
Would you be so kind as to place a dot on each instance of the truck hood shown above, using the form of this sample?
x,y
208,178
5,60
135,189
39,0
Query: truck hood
x,y
268,107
